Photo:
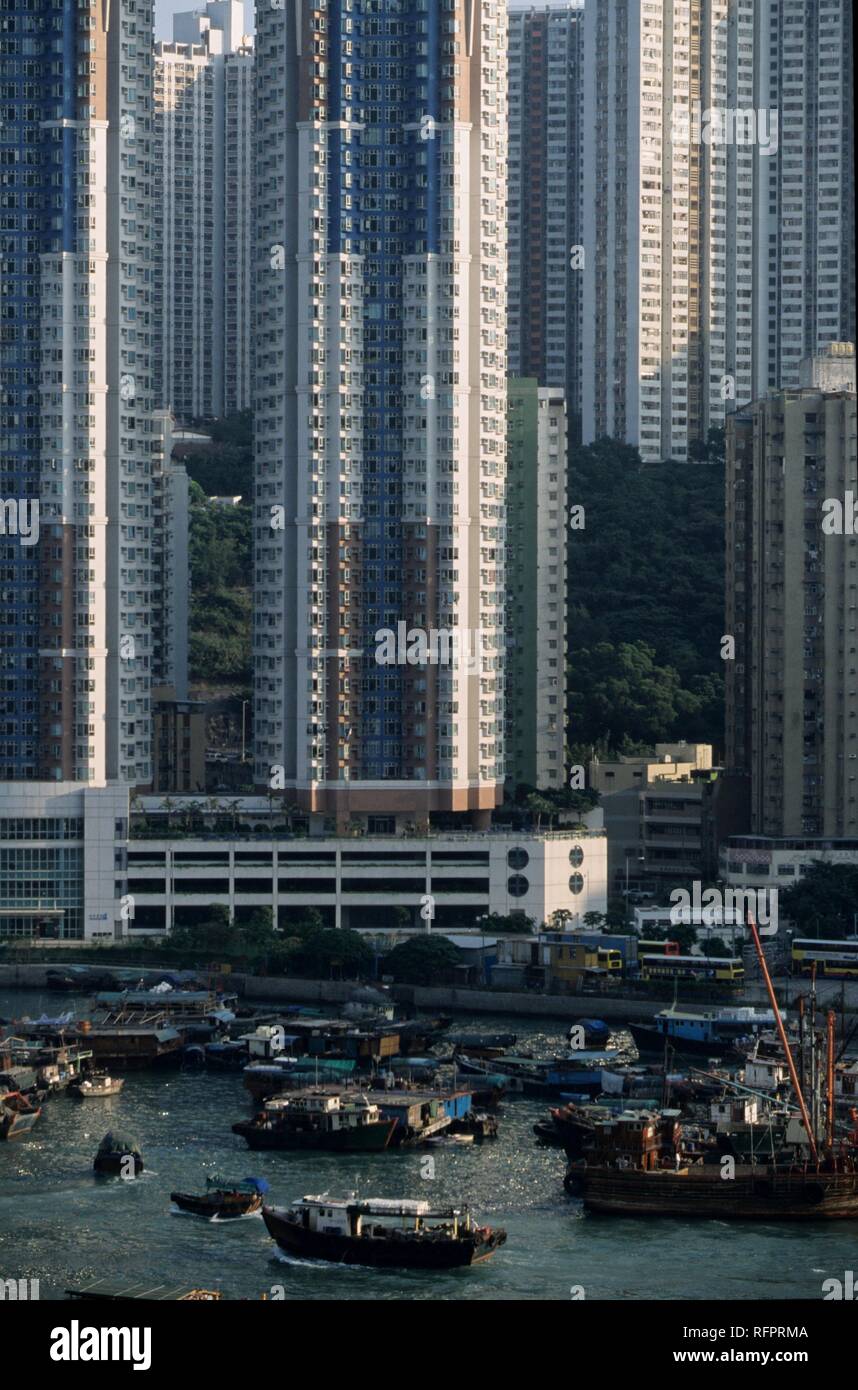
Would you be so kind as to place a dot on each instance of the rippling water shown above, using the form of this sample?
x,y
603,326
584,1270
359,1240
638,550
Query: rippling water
x,y
60,1224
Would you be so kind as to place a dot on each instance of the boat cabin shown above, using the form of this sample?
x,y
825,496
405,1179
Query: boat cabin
x,y
731,1111
354,1218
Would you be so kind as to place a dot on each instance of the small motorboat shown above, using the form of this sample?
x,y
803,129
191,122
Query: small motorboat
x,y
224,1198
95,1085
118,1156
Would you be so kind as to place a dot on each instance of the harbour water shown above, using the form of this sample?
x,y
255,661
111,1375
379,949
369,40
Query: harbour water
x,y
61,1225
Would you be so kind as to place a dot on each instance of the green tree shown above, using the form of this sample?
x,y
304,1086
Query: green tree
x,y
424,960
493,923
826,894
641,573
621,693
329,952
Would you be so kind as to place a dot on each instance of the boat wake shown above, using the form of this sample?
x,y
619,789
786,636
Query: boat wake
x,y
233,1220
280,1257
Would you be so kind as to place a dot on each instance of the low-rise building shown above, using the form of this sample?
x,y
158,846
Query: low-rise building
x,y
670,762
759,861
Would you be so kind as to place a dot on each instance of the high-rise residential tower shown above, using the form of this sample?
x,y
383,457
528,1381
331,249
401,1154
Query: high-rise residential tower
x,y
203,161
380,405
718,196
536,586
805,192
75,259
545,212
792,602
668,220
75,507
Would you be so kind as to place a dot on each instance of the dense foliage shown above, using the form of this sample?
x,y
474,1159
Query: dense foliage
x,y
646,597
422,960
221,570
824,902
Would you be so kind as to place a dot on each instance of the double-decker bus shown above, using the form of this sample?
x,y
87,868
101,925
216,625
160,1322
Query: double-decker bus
x,y
709,969
833,959
610,960
658,948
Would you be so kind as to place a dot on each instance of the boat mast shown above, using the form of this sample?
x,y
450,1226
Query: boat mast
x,y
764,970
829,1088
814,1055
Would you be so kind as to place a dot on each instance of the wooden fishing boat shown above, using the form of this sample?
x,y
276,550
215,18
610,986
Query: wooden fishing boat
x,y
636,1164
756,1193
382,1233
224,1198
18,1114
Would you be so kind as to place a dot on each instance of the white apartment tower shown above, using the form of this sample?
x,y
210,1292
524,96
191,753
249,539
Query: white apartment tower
x,y
202,158
75,244
380,405
75,413
668,221
718,196
805,214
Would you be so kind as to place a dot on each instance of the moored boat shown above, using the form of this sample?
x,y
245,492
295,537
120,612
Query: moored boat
x,y
320,1120
18,1114
95,1086
381,1233
701,1032
756,1192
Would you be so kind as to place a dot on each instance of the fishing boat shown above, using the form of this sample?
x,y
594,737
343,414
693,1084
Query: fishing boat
x,y
224,1198
704,1032
118,1156
636,1164
333,1123
380,1232
18,1114
756,1192
96,1086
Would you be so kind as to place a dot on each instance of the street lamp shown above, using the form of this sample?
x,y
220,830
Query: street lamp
x,y
641,860
244,705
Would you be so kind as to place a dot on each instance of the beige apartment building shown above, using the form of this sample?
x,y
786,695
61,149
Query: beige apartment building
x,y
670,762
792,602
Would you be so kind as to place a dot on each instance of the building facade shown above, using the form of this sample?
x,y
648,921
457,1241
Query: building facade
x,y
792,604
380,406
535,699
171,586
718,197
75,246
353,881
544,199
805,191
201,150
668,221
